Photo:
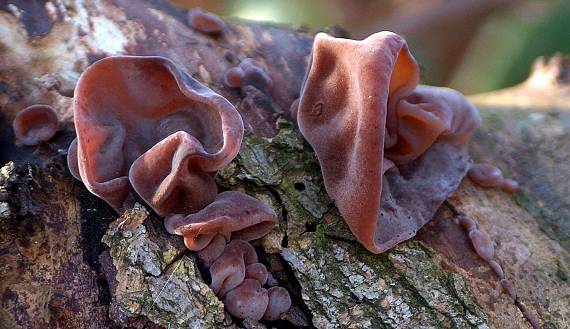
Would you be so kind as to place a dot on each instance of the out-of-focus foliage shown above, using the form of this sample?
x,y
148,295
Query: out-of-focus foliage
x,y
471,45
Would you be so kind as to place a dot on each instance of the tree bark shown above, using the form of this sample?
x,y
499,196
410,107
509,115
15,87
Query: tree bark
x,y
68,261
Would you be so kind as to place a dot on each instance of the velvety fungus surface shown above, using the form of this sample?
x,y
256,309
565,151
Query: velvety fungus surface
x,y
145,125
234,215
390,150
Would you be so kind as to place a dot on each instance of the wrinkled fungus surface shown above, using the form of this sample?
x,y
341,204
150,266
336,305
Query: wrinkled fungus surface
x,y
219,233
233,215
145,125
35,124
205,22
390,150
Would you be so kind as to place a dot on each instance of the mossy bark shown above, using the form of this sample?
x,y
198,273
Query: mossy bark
x,y
68,261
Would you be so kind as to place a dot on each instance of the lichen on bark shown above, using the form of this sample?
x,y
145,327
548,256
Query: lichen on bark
x,y
153,276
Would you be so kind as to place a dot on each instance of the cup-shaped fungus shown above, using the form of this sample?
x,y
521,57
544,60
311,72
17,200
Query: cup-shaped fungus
x,y
143,123
35,124
362,111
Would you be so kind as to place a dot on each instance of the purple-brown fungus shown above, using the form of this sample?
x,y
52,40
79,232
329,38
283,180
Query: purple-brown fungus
x,y
248,300
279,302
72,160
390,150
239,280
487,175
228,271
249,72
237,277
205,22
509,185
145,125
483,246
234,215
35,124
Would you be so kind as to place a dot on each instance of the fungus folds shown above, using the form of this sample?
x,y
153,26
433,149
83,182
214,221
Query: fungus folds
x,y
363,112
220,233
145,125
35,124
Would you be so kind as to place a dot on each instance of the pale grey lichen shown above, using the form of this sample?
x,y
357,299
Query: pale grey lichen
x,y
155,277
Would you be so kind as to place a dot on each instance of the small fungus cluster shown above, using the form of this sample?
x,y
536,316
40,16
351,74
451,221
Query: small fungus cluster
x,y
483,246
237,276
146,128
248,72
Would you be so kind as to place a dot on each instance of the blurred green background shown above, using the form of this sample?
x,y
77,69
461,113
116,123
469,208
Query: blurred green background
x,y
471,45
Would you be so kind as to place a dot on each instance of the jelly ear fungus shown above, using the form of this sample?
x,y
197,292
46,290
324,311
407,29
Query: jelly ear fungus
x,y
390,151
145,125
147,128
35,124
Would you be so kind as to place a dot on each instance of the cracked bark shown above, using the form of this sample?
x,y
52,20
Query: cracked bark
x,y
67,260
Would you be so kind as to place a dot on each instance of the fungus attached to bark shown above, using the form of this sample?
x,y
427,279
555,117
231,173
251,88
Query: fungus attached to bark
x,y
279,302
249,72
248,300
237,218
363,112
35,124
234,215
72,164
486,175
228,271
509,185
205,22
145,126
143,123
